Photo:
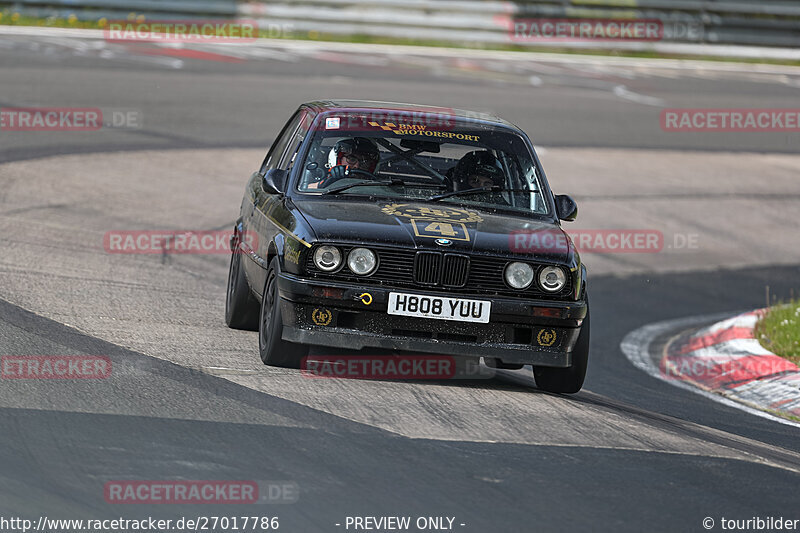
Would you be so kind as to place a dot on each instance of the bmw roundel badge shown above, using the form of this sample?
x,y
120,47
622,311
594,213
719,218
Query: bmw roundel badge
x,y
444,242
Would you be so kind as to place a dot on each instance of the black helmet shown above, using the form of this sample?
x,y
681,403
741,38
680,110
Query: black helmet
x,y
478,163
360,147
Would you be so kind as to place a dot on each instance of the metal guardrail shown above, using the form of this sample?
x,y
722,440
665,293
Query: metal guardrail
x,y
742,22
773,23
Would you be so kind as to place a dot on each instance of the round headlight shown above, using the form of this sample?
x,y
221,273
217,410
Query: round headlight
x,y
552,279
519,275
327,258
361,261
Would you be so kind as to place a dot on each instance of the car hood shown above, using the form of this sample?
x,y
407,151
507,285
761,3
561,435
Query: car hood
x,y
423,224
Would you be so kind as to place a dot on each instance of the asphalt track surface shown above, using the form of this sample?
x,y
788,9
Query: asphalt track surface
x,y
189,399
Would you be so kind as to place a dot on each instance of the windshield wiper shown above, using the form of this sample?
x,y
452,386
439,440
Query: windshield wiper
x,y
391,183
492,188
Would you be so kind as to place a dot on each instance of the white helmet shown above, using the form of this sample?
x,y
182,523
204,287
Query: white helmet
x,y
363,149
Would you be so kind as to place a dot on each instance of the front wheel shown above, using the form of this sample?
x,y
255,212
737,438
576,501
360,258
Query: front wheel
x,y
273,349
241,308
567,380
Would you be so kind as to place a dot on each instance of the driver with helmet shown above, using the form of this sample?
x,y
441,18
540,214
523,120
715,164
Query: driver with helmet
x,y
356,153
479,169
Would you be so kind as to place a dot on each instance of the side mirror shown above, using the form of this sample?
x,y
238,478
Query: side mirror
x,y
566,208
274,180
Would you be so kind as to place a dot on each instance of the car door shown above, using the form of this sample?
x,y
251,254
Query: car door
x,y
261,210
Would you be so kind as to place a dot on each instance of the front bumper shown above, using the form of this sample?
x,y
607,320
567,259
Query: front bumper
x,y
337,315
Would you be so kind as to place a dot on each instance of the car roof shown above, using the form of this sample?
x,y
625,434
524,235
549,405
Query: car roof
x,y
321,106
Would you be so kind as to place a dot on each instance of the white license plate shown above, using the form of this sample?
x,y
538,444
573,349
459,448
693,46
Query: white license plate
x,y
439,307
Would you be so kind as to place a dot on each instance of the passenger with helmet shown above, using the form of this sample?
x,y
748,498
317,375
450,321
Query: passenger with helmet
x,y
479,169
359,153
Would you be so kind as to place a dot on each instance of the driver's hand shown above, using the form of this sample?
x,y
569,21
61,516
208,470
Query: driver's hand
x,y
336,173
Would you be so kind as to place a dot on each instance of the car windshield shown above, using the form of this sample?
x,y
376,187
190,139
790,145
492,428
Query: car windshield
x,y
421,157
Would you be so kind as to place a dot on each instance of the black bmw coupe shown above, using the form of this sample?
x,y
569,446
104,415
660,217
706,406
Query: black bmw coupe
x,y
404,227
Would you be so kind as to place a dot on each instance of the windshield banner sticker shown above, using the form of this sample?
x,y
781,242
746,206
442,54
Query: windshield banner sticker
x,y
422,130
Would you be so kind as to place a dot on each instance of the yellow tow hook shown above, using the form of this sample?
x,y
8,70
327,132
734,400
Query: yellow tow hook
x,y
366,298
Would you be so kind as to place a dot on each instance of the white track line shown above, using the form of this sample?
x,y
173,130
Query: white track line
x,y
626,94
636,347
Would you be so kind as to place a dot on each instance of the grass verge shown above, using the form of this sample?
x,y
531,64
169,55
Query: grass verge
x,y
779,331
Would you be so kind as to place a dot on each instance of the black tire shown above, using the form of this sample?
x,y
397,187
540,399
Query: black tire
x,y
241,307
273,349
567,380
